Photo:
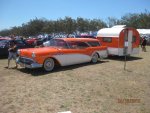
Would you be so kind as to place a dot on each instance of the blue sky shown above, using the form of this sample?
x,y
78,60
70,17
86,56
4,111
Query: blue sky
x,y
16,12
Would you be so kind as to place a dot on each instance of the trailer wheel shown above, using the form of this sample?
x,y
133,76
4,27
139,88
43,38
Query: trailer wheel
x,y
49,64
94,58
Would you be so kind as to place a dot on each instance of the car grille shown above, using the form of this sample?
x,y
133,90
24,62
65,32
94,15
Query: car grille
x,y
26,60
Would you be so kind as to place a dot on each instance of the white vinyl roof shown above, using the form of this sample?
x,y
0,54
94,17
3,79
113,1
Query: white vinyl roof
x,y
110,32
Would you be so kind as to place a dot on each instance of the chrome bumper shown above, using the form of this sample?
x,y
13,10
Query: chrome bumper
x,y
28,63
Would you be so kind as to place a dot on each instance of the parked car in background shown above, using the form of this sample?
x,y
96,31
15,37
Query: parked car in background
x,y
4,38
31,41
63,52
4,45
40,41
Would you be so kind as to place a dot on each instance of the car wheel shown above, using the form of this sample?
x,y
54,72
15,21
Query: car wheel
x,y
49,64
94,58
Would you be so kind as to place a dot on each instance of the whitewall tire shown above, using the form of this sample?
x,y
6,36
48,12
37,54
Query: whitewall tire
x,y
94,58
49,64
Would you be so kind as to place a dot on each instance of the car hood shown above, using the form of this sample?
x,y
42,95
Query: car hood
x,y
43,51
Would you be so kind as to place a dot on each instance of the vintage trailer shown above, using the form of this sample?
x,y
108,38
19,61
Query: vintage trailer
x,y
120,40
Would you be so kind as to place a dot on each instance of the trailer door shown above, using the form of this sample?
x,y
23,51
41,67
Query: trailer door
x,y
130,35
128,42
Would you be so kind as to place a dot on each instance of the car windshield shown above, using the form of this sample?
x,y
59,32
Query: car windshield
x,y
58,43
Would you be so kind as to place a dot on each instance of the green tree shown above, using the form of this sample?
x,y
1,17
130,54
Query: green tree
x,y
111,21
68,25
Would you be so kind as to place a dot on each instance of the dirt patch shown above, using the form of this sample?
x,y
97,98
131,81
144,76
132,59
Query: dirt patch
x,y
104,87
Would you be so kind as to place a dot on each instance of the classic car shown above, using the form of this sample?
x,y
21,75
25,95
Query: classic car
x,y
63,52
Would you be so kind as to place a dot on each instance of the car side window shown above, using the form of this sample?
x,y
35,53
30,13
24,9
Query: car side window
x,y
82,45
62,44
77,45
94,43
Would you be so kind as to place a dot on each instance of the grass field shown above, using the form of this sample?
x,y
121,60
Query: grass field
x,y
104,87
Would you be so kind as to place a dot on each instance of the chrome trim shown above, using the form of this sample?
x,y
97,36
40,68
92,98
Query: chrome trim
x,y
31,65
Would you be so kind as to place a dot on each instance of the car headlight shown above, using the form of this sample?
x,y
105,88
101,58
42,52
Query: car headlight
x,y
18,52
33,55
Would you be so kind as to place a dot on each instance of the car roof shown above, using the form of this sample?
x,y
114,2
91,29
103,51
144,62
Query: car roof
x,y
5,38
78,39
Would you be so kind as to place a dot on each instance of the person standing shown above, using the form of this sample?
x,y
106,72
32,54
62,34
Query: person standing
x,y
143,44
12,51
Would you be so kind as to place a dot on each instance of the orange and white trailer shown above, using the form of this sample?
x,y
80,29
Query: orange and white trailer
x,y
120,40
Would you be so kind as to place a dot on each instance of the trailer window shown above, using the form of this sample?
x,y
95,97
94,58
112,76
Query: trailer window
x,y
107,39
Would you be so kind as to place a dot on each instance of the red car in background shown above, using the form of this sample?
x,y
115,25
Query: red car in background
x,y
37,41
31,41
4,45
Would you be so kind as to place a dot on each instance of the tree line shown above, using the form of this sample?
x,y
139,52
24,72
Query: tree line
x,y
69,25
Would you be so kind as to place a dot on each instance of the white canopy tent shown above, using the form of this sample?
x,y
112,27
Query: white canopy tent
x,y
144,31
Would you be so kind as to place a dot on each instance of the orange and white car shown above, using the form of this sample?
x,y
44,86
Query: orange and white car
x,y
63,52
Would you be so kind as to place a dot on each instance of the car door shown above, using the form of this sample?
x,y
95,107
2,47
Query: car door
x,y
76,53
